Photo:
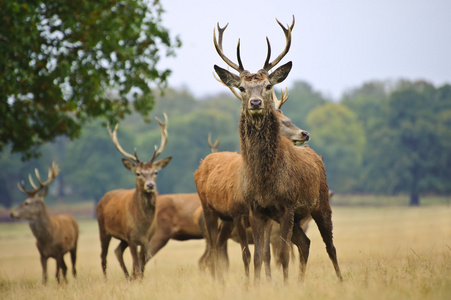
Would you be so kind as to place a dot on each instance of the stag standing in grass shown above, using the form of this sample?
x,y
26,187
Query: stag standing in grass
x,y
218,185
128,214
278,181
55,235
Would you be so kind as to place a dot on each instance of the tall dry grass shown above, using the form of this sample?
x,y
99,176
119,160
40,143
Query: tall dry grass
x,y
384,253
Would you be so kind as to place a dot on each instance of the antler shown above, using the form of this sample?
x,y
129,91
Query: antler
x,y
164,137
218,46
287,31
230,88
214,148
283,98
53,172
113,136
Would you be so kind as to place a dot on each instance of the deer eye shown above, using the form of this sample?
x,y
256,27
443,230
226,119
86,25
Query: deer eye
x,y
138,174
268,87
242,90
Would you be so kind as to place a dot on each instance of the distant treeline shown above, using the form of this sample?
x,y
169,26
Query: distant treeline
x,y
381,138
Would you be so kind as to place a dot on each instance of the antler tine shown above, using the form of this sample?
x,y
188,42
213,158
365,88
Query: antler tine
x,y
213,147
218,47
21,187
283,98
230,88
113,136
287,31
53,172
164,136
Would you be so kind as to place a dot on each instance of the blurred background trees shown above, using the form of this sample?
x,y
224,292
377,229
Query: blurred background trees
x,y
65,62
380,138
68,68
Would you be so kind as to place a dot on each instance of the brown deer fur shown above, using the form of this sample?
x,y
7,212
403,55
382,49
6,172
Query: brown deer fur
x,y
127,215
218,188
55,235
277,180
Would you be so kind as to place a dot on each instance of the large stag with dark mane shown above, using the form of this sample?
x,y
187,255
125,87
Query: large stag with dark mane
x,y
277,181
127,215
55,235
218,185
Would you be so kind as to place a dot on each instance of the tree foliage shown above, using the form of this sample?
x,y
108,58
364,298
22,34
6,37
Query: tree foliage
x,y
377,139
65,62
338,136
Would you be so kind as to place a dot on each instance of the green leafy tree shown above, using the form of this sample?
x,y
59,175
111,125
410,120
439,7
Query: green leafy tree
x,y
417,137
369,102
338,136
65,62
93,165
303,99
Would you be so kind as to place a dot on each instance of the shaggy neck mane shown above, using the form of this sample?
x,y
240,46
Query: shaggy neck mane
x,y
259,139
147,201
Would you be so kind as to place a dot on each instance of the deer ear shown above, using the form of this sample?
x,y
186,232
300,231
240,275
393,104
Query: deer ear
x,y
280,73
160,164
128,164
229,79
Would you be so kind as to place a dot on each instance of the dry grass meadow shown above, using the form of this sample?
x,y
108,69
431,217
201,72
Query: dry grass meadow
x,y
384,253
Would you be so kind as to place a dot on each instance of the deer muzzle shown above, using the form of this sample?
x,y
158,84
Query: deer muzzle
x,y
255,106
149,187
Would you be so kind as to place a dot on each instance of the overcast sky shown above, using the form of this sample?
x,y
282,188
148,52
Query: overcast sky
x,y
336,45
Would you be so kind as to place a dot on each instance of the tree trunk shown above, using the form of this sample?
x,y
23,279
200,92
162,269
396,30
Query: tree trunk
x,y
415,191
414,199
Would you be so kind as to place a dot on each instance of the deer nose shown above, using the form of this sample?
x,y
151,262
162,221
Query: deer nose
x,y
255,103
150,186
306,135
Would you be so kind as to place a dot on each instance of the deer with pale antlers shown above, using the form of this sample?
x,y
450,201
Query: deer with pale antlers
x,y
219,187
127,215
277,181
55,235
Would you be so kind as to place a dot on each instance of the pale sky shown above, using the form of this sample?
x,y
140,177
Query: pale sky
x,y
336,45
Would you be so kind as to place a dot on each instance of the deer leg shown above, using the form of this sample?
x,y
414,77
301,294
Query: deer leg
x,y
63,268
73,258
203,264
286,231
225,230
60,265
44,268
259,223
267,253
324,221
242,237
105,243
142,258
303,243
120,257
135,259
157,242
211,223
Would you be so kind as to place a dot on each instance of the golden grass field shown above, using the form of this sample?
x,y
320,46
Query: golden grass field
x,y
384,253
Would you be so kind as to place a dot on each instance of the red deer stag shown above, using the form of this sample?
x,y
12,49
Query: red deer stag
x,y
218,185
55,235
277,181
127,215
177,218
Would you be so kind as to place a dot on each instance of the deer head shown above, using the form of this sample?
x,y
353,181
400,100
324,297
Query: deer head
x,y
256,89
34,205
145,172
287,128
